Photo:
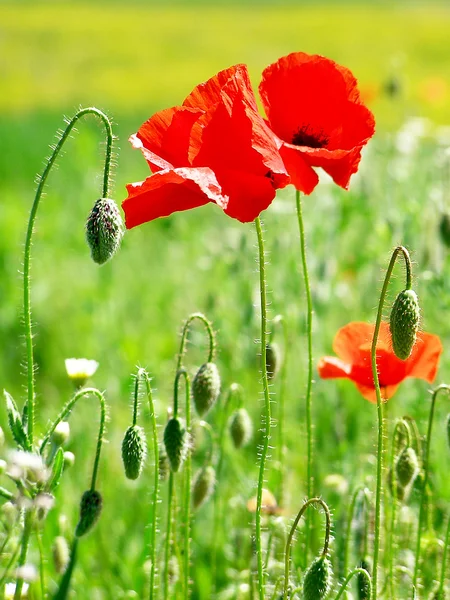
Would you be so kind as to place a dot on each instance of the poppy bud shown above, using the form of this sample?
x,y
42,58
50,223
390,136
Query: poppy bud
x,y
317,580
90,509
104,230
61,554
401,493
241,428
273,359
404,323
176,443
362,583
407,466
134,451
163,463
444,229
203,486
206,388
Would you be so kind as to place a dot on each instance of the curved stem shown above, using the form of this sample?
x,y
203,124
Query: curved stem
x,y
326,544
444,561
426,460
184,334
179,373
309,315
351,511
376,550
267,409
349,576
139,374
66,411
168,535
27,251
29,517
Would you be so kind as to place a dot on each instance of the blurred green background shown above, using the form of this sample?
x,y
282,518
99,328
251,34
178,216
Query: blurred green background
x,y
131,60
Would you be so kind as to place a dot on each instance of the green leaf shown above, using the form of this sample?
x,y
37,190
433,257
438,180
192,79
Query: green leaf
x,y
57,470
15,423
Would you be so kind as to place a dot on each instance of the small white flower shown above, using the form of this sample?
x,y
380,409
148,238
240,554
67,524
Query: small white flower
x,y
26,465
27,573
80,369
10,589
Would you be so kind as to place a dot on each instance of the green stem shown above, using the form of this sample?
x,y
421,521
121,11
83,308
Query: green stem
x,y
168,536
41,561
309,315
444,561
27,252
351,510
326,544
426,461
6,494
281,407
267,409
64,586
29,517
9,566
187,494
349,576
184,334
66,411
376,550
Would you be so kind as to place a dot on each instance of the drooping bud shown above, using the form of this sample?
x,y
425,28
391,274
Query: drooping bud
x,y
407,466
404,323
203,486
104,230
273,359
206,388
61,433
241,428
176,442
134,451
362,583
397,490
61,554
163,464
317,580
90,509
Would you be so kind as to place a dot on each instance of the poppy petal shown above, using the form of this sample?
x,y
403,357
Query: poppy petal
x,y
424,360
350,338
330,367
369,393
170,191
303,176
248,194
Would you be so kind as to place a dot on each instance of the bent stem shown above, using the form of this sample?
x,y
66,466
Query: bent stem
x,y
309,315
376,550
426,461
326,544
351,510
212,339
267,410
352,574
30,405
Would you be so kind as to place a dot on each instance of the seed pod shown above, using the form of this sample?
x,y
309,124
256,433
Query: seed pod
x,y
134,451
407,466
61,554
176,443
404,323
317,580
104,230
362,583
273,360
163,463
206,388
90,509
401,493
203,486
241,428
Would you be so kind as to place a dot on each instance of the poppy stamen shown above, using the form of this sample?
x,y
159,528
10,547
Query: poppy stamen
x,y
306,136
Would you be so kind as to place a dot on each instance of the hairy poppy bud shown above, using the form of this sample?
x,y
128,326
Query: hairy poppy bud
x,y
176,443
104,230
134,451
61,554
203,486
272,360
90,509
362,583
401,493
407,466
241,428
404,323
317,580
206,387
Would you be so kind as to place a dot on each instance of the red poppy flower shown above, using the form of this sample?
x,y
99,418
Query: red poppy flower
x,y
313,106
213,148
353,343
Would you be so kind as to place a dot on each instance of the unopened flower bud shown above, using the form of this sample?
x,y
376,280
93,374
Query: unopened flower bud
x,y
90,509
163,464
317,580
404,323
206,388
203,486
176,442
104,230
61,433
79,370
273,359
241,428
69,459
61,554
134,451
401,493
407,466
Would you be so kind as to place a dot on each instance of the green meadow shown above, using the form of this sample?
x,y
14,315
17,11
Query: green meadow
x,y
130,61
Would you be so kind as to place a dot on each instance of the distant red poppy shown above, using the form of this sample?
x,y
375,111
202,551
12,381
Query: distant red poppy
x,y
213,148
314,107
353,343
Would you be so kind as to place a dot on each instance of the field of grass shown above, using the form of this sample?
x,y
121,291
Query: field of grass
x,y
132,61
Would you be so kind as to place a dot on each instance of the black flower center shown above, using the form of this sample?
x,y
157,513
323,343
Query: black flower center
x,y
306,136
